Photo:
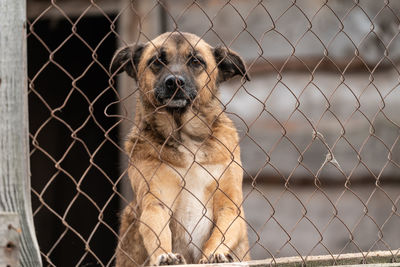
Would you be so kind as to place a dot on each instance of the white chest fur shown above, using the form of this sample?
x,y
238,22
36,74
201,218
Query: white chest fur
x,y
193,209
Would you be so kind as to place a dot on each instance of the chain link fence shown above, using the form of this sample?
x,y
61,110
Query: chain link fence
x,y
318,123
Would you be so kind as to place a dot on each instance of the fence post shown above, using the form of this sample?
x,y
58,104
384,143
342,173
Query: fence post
x,y
14,148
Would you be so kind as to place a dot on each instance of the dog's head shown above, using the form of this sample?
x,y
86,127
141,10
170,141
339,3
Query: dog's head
x,y
178,69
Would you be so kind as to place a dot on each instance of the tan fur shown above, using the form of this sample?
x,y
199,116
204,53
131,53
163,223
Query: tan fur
x,y
185,171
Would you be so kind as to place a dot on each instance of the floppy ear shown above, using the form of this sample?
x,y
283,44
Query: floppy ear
x,y
127,59
229,64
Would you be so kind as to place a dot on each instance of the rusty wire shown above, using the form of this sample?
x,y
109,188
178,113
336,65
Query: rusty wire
x,y
298,185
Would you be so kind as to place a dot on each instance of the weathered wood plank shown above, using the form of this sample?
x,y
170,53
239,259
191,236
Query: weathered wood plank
x,y
14,148
375,258
9,239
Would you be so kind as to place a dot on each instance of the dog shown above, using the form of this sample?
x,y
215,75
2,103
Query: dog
x,y
185,167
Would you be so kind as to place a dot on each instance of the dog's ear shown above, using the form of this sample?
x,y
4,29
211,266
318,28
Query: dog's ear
x,y
127,59
229,64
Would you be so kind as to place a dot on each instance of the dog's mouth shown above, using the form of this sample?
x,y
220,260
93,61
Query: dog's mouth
x,y
175,103
178,98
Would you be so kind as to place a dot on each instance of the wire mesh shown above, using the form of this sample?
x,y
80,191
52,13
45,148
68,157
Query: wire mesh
x,y
318,124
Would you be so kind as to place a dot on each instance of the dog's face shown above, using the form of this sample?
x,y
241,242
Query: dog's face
x,y
177,69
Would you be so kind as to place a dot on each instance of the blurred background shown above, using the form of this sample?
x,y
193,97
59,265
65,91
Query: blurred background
x,y
318,122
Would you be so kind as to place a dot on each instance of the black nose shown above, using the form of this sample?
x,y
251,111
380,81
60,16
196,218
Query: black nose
x,y
173,82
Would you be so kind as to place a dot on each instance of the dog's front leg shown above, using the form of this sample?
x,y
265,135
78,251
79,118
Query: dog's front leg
x,y
156,233
229,226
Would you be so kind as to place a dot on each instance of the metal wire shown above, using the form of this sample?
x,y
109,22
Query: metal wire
x,y
324,172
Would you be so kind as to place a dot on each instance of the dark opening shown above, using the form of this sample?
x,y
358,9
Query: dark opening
x,y
78,212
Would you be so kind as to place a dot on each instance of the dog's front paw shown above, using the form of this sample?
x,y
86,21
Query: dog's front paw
x,y
217,258
170,259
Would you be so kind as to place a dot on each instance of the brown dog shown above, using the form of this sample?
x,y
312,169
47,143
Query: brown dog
x,y
185,166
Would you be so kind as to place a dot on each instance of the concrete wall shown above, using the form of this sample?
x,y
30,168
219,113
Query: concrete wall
x,y
359,121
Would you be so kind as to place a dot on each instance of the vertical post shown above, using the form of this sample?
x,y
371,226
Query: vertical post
x,y
9,239
14,148
163,15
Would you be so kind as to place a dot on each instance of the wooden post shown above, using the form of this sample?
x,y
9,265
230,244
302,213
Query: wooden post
x,y
9,239
14,149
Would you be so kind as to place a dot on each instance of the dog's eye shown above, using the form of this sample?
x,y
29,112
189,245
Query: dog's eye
x,y
195,61
157,62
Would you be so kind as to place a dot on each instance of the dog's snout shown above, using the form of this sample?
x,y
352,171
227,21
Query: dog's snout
x,y
175,91
173,82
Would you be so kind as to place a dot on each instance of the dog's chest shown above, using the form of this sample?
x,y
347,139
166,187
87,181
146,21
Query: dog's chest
x,y
193,210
